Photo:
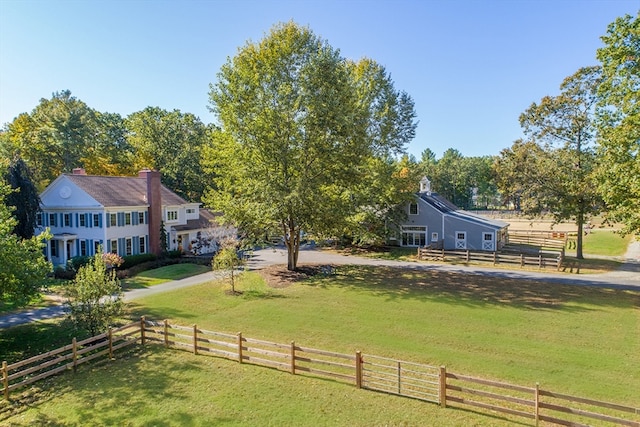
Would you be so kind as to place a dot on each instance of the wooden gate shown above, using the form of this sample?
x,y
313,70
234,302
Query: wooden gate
x,y
401,378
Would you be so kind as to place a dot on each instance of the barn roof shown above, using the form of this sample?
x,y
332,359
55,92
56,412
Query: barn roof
x,y
446,207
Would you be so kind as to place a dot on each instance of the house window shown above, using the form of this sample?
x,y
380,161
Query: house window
x,y
114,246
54,248
434,237
127,218
113,219
191,211
172,215
414,236
96,220
83,248
413,209
140,217
52,219
39,219
97,247
67,220
143,249
128,246
83,220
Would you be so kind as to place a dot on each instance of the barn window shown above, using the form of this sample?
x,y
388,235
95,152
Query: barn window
x,y
413,209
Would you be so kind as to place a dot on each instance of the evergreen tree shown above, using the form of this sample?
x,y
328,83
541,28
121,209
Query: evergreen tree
x,y
24,200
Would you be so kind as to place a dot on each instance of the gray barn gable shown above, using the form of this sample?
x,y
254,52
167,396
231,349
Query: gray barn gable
x,y
434,221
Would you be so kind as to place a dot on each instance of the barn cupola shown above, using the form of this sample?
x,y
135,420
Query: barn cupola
x,y
425,185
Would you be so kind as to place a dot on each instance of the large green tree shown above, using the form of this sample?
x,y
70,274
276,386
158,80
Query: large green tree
x,y
619,122
170,142
23,268
299,125
565,126
24,199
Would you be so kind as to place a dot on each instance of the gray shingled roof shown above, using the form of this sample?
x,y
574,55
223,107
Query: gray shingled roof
x,y
207,220
121,190
446,207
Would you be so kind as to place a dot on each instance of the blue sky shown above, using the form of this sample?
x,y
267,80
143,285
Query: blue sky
x,y
471,66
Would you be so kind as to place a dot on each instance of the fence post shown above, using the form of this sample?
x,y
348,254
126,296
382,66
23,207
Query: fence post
x,y
5,379
240,347
536,404
540,261
110,343
521,260
166,333
468,256
293,357
358,369
399,378
75,354
443,254
142,335
495,257
195,339
443,386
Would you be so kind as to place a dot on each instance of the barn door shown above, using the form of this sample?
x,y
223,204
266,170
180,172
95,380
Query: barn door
x,y
461,240
488,243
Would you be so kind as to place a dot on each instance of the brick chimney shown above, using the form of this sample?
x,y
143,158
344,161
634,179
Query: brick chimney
x,y
79,171
155,208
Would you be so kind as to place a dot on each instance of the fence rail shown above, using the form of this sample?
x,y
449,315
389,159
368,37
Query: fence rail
x,y
36,368
375,373
541,260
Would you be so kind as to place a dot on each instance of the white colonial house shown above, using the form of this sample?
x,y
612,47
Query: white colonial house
x,y
122,215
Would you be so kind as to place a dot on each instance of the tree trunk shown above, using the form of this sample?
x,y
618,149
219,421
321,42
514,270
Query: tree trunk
x,y
292,242
580,224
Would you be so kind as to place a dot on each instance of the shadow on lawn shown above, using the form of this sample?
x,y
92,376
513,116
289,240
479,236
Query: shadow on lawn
x,y
475,290
102,398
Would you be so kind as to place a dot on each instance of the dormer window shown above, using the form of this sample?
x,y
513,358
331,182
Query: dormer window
x,y
172,215
413,209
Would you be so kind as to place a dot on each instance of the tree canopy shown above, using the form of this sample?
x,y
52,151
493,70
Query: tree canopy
x,y
24,268
170,142
299,127
619,122
564,127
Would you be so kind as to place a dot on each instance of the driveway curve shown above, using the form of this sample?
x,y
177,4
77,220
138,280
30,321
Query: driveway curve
x,y
628,278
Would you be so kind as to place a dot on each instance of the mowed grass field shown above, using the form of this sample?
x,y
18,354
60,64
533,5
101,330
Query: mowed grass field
x,y
576,340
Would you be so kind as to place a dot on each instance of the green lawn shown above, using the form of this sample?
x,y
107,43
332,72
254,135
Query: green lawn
x,y
173,388
570,339
163,274
609,243
576,340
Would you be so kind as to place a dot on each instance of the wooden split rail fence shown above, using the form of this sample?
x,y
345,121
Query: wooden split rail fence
x,y
36,368
541,260
402,378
